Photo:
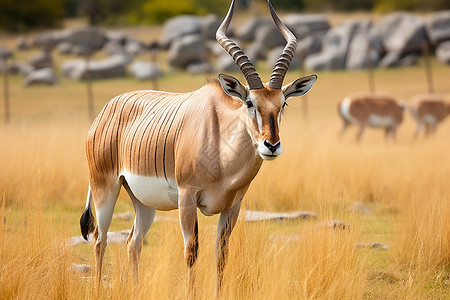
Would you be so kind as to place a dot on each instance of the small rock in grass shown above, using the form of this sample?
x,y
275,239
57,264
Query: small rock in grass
x,y
126,216
82,268
373,246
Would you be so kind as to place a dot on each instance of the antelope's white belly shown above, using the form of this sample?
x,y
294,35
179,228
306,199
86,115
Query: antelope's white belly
x,y
157,193
381,121
430,119
345,111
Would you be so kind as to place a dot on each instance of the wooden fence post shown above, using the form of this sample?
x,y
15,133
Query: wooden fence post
x,y
428,72
90,94
370,69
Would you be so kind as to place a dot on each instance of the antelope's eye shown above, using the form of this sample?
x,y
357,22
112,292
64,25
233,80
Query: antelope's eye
x,y
249,103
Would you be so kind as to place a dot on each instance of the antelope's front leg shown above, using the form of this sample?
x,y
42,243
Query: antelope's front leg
x,y
226,224
187,206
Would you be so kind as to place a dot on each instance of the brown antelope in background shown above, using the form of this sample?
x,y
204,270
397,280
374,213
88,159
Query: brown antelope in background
x,y
428,111
371,110
187,150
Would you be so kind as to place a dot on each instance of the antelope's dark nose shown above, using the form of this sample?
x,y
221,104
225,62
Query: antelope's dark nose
x,y
272,147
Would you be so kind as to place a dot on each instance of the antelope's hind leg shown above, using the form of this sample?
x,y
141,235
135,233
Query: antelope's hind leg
x,y
142,222
104,199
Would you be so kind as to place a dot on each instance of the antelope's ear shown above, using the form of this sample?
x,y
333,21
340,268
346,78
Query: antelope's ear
x,y
232,87
299,87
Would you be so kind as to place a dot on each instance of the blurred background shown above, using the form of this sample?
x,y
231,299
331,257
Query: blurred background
x,y
381,209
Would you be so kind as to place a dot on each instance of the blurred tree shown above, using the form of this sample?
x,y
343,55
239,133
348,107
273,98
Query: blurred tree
x,y
218,7
157,11
342,5
410,5
27,14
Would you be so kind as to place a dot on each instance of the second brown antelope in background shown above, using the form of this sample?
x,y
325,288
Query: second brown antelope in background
x,y
371,110
186,151
428,111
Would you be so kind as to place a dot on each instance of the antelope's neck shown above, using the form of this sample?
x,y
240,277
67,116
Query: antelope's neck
x,y
221,148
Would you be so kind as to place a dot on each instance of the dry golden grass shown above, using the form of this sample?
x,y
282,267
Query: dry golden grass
x,y
405,185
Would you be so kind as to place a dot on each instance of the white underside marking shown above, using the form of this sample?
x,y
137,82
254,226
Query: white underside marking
x,y
381,121
345,111
430,119
153,192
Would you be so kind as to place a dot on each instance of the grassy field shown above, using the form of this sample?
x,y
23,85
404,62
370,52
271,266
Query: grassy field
x,y
405,185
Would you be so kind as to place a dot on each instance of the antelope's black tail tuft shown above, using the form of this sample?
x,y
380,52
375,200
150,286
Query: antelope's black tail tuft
x,y
87,223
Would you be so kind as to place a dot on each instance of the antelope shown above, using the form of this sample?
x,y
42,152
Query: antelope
x,y
428,111
371,110
185,151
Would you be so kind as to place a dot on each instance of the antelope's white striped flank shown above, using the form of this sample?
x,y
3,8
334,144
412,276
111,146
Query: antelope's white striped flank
x,y
186,151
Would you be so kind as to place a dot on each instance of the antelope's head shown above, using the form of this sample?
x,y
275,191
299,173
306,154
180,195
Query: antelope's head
x,y
264,103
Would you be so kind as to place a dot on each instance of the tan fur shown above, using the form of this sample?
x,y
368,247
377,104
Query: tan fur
x,y
362,109
197,150
428,111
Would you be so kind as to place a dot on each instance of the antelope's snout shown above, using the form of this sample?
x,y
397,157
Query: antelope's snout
x,y
269,151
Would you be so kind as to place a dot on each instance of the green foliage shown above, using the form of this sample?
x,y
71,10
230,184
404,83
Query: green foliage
x,y
157,11
390,5
289,4
411,5
342,5
218,7
28,14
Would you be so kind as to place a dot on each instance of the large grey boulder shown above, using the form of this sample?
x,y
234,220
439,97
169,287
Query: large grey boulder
x,y
68,67
5,53
397,59
309,45
22,44
114,47
200,68
269,36
41,60
256,51
64,48
443,52
303,25
43,76
226,64
334,48
145,70
403,33
438,27
47,41
274,55
20,67
111,67
86,39
366,48
133,47
117,36
176,28
249,30
187,50
209,26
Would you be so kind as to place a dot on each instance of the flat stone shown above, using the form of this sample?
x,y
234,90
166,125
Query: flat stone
x,y
145,70
373,246
256,216
42,76
125,216
81,268
359,207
